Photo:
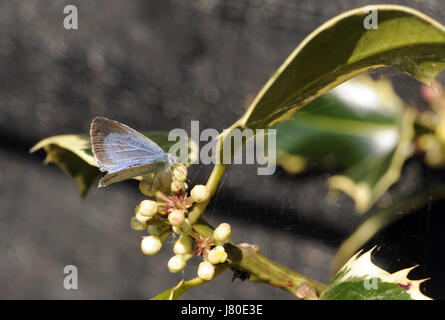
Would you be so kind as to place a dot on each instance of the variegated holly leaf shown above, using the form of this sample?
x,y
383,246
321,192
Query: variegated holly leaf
x,y
361,279
72,153
343,48
362,127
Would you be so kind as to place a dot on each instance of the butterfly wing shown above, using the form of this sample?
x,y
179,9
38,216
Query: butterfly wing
x,y
123,152
131,172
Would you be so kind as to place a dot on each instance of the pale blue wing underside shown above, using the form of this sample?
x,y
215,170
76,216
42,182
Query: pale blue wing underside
x,y
129,173
123,152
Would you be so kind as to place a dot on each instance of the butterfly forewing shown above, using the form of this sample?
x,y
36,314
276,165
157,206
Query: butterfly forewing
x,y
122,151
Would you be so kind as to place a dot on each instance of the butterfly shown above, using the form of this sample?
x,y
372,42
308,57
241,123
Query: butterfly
x,y
124,153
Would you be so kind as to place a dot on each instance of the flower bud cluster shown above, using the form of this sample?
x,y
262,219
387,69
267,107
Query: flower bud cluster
x,y
212,250
168,213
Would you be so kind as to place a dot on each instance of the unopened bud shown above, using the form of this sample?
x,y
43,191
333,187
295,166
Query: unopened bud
x,y
151,245
142,219
148,208
200,193
176,263
206,270
146,186
176,217
180,172
183,229
183,245
222,232
217,255
136,225
175,186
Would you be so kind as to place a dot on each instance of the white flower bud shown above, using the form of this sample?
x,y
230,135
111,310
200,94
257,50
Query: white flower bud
x,y
183,245
184,186
200,193
176,217
147,187
142,219
175,186
180,172
151,245
184,229
206,270
136,225
148,208
176,263
222,232
217,255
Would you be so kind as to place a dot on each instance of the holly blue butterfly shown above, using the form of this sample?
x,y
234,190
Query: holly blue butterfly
x,y
124,153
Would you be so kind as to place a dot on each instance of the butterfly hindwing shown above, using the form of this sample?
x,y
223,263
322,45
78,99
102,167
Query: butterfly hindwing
x,y
125,174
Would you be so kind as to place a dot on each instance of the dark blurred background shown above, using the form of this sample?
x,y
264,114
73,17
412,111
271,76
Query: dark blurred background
x,y
157,65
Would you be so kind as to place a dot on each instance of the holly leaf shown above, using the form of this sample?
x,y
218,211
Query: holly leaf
x,y
175,292
361,279
73,154
343,48
172,293
362,127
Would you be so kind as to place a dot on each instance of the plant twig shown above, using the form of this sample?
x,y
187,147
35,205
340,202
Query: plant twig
x,y
216,175
246,258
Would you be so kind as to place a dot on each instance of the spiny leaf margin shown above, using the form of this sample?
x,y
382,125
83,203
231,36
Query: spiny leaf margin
x,y
350,282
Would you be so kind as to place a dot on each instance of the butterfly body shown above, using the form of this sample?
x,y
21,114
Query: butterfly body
x,y
124,153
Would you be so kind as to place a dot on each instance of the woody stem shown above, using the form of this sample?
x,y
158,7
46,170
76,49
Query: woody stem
x,y
258,268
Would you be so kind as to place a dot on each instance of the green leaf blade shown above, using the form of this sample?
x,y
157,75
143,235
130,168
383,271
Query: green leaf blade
x,y
172,293
341,49
361,127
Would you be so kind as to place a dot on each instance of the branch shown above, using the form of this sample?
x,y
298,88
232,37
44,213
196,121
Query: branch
x,y
216,175
257,268
245,258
